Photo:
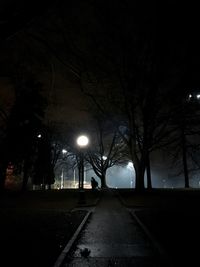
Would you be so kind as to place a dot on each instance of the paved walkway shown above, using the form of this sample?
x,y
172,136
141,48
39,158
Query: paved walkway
x,y
113,238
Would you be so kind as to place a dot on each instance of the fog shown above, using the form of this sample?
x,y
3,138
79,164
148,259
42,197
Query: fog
x,y
162,173
163,177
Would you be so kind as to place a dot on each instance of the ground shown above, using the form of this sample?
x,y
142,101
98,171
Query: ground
x,y
173,217
37,225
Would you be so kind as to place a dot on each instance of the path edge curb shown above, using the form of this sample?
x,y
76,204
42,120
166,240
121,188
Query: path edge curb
x,y
154,241
67,248
156,244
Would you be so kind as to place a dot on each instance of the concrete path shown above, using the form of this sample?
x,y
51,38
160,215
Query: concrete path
x,y
113,238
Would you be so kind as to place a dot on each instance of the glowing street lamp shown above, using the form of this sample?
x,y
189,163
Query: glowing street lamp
x,y
82,142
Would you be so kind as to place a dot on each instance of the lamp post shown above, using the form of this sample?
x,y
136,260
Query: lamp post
x,y
82,142
64,151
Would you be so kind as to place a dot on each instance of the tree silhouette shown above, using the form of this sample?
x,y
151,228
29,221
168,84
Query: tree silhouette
x,y
185,133
24,123
43,171
106,150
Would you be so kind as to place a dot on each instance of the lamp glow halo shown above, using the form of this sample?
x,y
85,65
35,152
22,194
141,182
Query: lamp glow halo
x,y
82,141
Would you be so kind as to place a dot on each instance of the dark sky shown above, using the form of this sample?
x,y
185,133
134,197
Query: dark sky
x,y
176,24
16,14
174,28
62,87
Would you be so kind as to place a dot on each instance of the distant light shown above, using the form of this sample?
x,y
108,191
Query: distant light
x,y
64,151
130,165
39,135
190,96
198,96
82,141
104,158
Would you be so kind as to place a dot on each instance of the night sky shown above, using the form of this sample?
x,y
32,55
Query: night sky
x,y
50,38
61,87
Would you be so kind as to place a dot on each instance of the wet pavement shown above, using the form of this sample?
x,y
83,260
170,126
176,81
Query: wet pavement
x,y
113,238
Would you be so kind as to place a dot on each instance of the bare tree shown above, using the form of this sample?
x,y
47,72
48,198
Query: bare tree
x,y
107,149
185,133
117,48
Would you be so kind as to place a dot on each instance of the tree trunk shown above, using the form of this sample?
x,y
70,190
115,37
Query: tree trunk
x,y
139,177
148,169
2,178
3,168
103,181
79,176
25,176
49,186
81,171
184,159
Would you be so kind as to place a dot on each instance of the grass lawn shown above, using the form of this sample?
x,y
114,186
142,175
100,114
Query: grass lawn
x,y
35,226
173,216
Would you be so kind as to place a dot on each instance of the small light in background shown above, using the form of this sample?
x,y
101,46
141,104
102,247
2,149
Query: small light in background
x,y
130,165
64,151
